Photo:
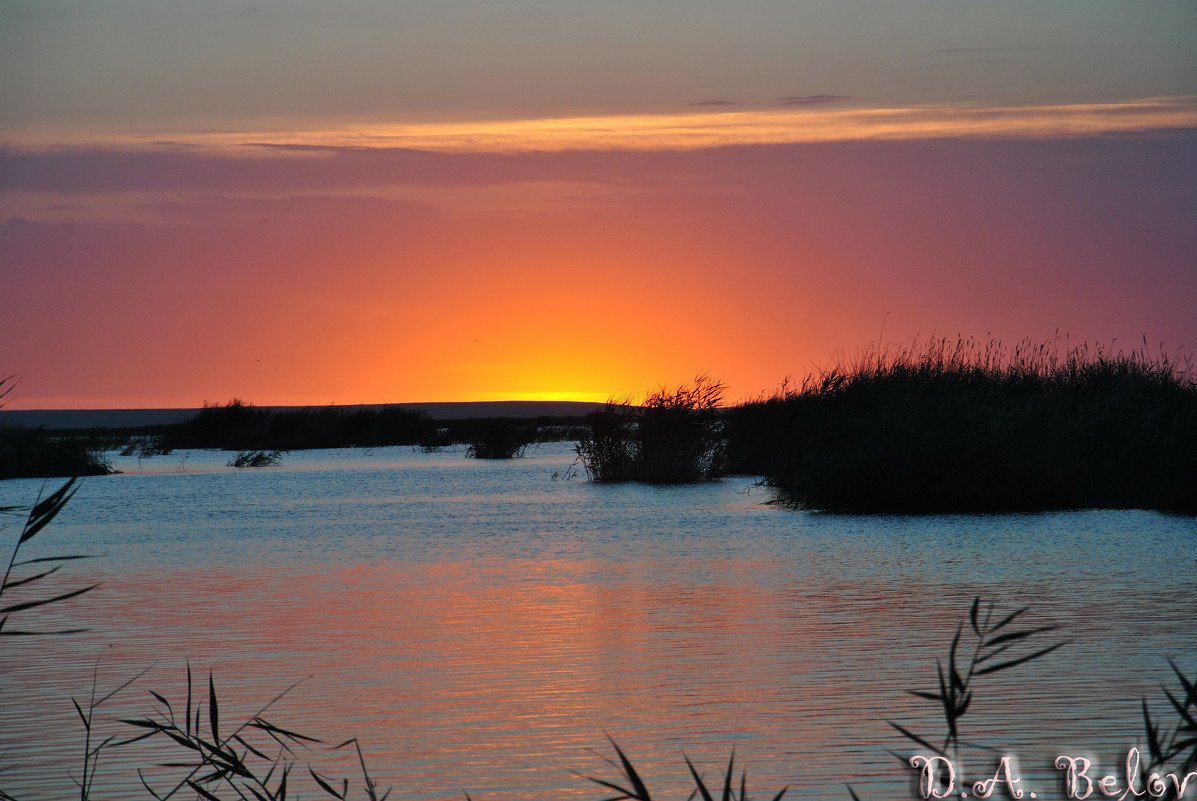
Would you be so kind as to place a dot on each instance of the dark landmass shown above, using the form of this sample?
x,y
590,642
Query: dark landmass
x,y
142,418
72,442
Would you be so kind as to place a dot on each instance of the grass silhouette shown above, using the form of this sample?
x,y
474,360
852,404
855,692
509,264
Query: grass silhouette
x,y
675,437
256,459
965,426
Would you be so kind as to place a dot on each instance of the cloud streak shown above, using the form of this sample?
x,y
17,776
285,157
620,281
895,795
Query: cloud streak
x,y
692,130
810,100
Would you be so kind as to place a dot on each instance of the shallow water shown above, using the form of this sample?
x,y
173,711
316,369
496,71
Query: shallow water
x,y
483,626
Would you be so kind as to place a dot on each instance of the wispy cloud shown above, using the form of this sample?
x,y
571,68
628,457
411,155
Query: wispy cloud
x,y
697,129
715,103
810,100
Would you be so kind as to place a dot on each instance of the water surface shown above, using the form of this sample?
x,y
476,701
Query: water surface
x,y
485,625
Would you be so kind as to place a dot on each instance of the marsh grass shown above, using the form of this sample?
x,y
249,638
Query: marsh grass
x,y
995,648
36,453
24,575
251,759
1171,752
256,459
496,438
964,426
674,437
631,786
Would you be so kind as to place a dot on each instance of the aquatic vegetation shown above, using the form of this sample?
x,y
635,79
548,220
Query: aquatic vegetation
x,y
635,788
1172,753
35,453
969,427
238,426
674,437
256,459
498,438
233,759
992,640
607,445
44,510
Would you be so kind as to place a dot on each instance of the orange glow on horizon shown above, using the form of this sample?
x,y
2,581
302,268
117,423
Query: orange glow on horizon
x,y
576,277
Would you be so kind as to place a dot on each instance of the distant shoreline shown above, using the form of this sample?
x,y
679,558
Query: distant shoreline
x,y
139,418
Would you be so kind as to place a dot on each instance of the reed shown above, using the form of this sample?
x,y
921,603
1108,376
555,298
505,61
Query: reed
x,y
675,437
26,573
1171,751
991,653
631,786
256,459
496,438
966,426
255,758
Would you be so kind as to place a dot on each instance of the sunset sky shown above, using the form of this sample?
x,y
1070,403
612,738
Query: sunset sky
x,y
296,202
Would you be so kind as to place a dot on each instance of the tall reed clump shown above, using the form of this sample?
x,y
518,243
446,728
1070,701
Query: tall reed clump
x,y
969,427
674,437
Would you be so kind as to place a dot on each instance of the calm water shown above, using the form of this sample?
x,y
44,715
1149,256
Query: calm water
x,y
484,625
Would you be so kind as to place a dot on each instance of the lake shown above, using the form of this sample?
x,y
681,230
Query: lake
x,y
484,626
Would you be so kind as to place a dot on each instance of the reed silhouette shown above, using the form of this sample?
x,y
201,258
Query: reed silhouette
x,y
496,438
965,426
675,437
256,459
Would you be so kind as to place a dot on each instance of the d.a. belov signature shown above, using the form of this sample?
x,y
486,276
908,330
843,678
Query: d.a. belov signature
x,y
937,779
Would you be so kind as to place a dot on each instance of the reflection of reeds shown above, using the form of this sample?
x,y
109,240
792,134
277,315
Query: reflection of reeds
x,y
674,437
969,427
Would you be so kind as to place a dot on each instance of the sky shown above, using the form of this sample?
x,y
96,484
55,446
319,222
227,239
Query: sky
x,y
439,200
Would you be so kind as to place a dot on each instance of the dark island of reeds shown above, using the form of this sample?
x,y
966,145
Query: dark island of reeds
x,y
954,427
